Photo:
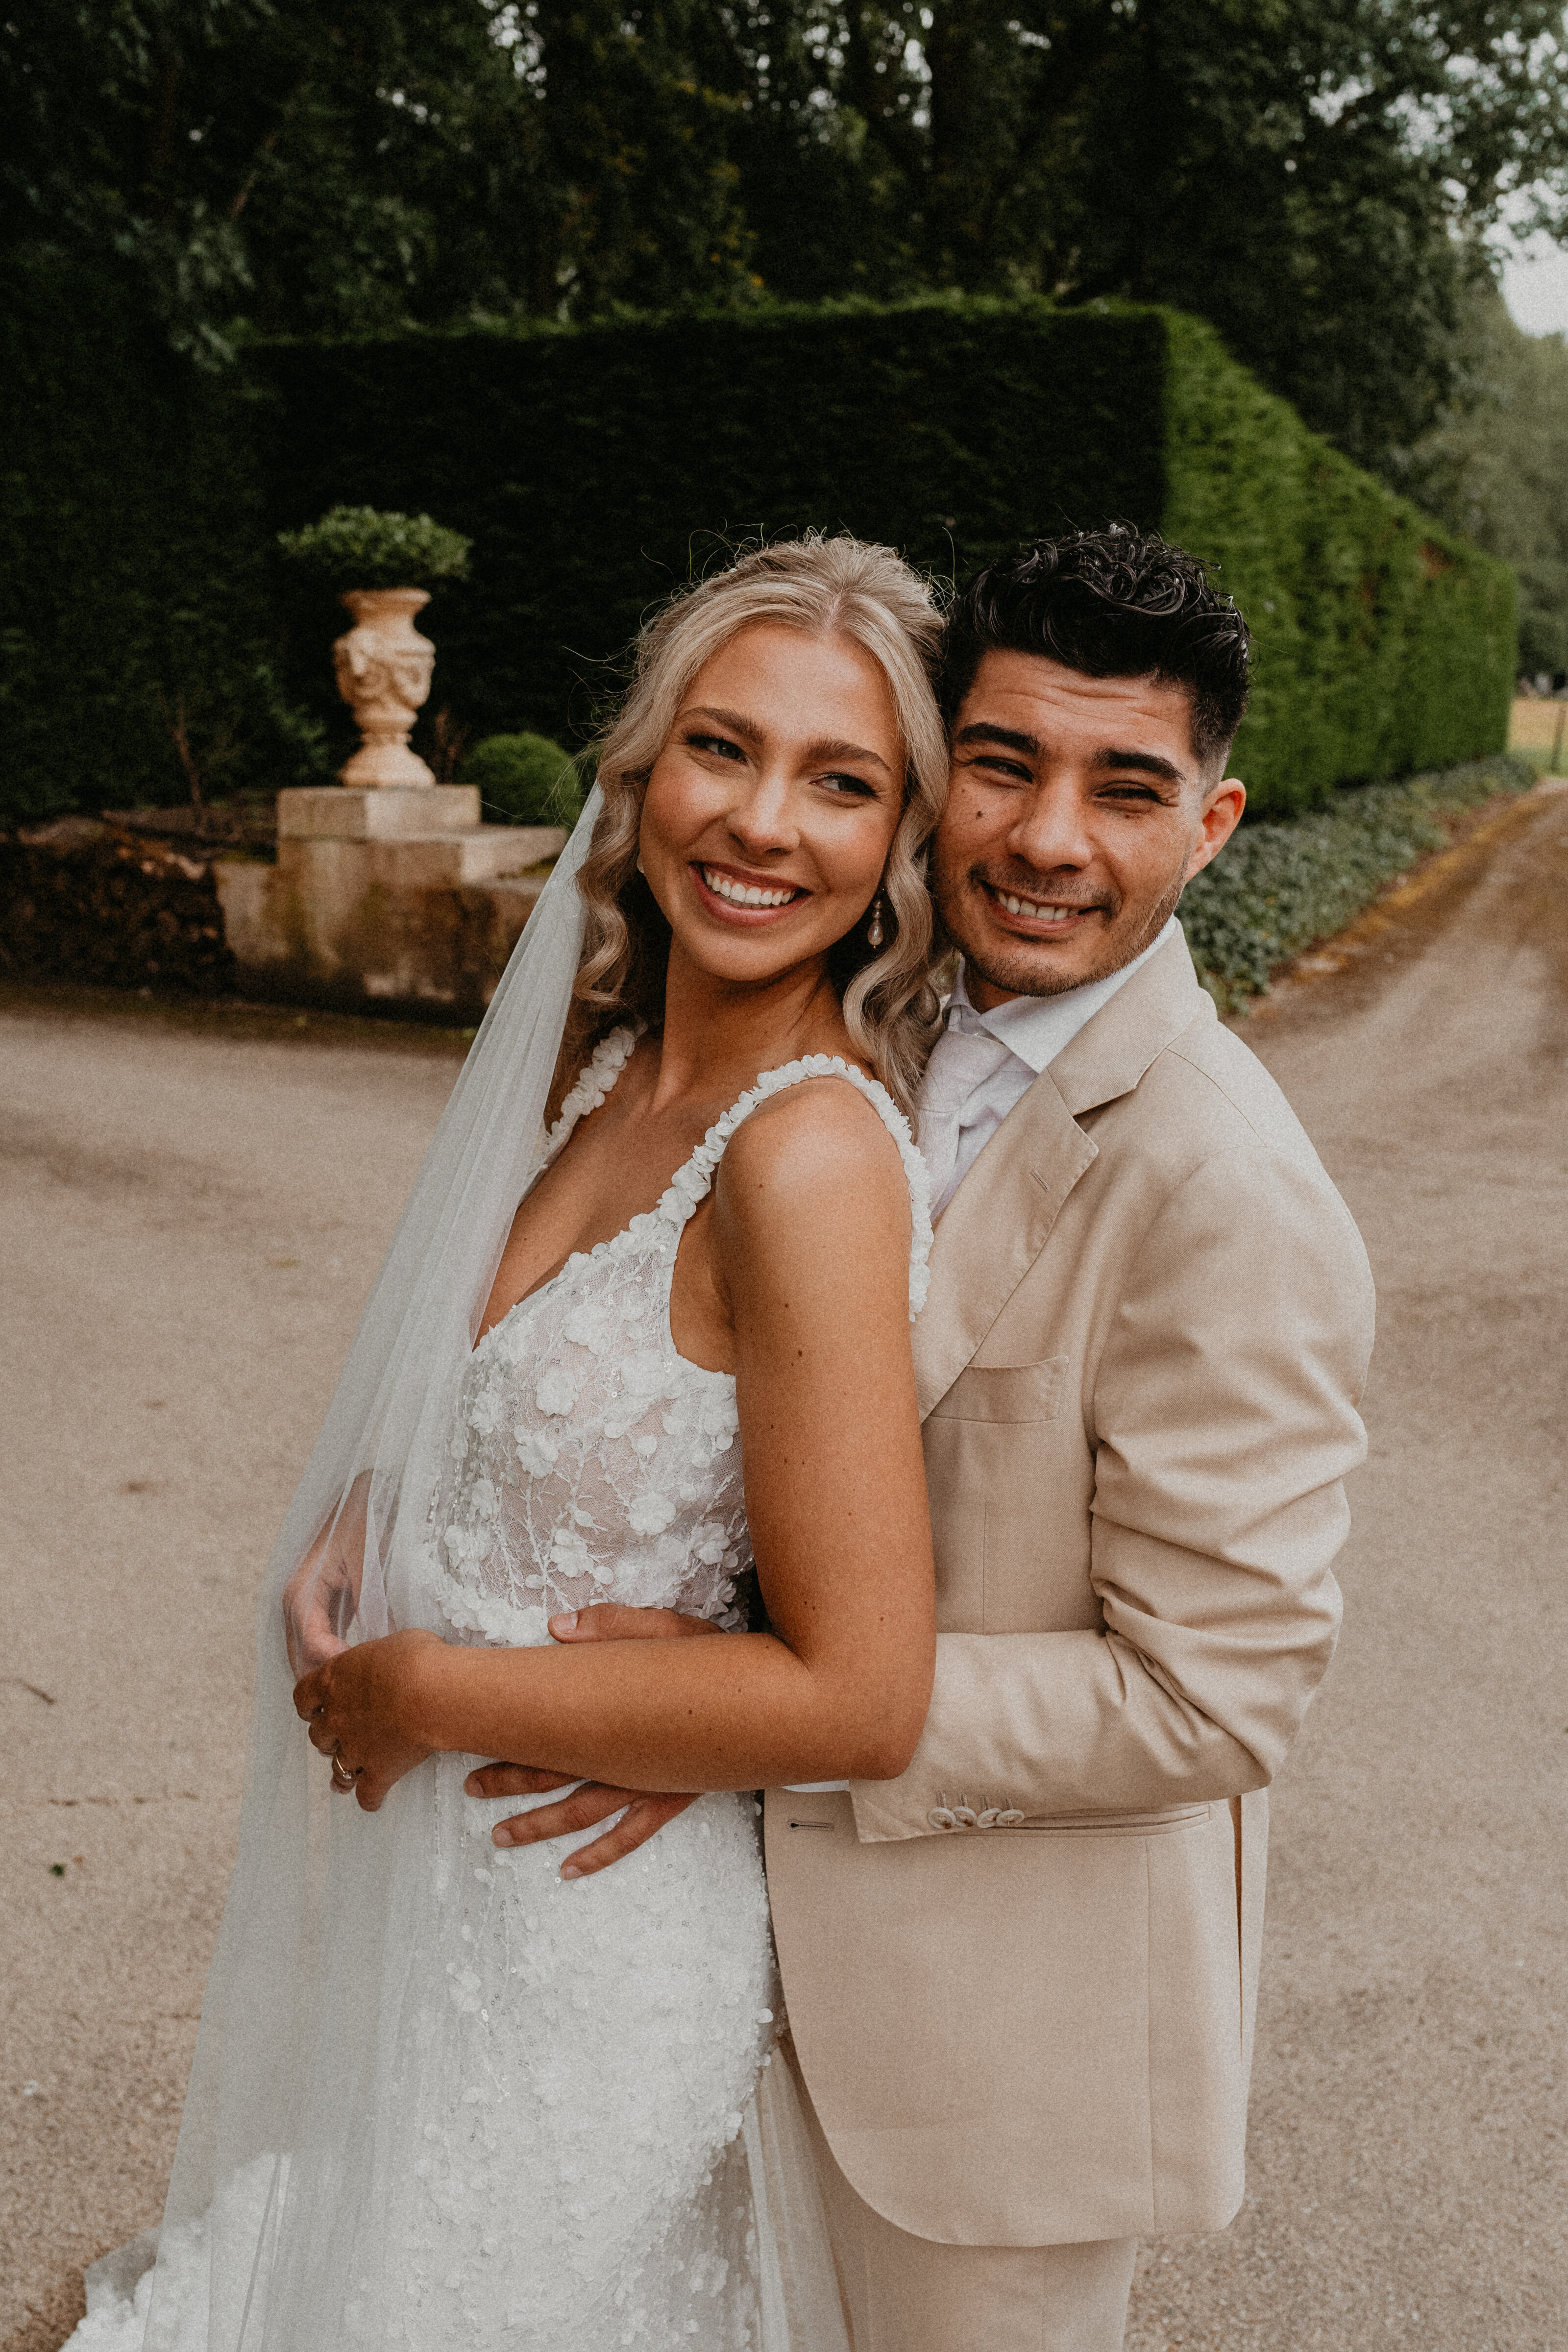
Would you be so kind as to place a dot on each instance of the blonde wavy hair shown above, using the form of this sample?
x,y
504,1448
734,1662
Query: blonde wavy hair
x,y
822,587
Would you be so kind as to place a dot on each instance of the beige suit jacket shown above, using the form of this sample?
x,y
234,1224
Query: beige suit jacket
x,y
1021,1979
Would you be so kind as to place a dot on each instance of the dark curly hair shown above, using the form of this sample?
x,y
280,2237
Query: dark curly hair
x,y
1117,602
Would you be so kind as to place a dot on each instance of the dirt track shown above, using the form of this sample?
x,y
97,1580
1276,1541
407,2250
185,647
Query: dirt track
x,y
1408,2171
192,1209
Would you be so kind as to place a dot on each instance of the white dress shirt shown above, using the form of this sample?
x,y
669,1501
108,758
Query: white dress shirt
x,y
986,1062
981,1065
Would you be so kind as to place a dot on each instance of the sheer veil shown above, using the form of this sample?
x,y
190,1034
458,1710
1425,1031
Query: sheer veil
x,y
278,2150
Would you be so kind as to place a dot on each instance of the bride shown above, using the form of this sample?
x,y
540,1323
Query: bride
x,y
451,2094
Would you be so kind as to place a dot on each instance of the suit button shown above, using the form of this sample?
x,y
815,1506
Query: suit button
x,y
965,1816
940,1819
1009,1821
988,1819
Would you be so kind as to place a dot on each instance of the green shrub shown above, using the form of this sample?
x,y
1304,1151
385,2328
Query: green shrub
x,y
359,547
1276,888
524,780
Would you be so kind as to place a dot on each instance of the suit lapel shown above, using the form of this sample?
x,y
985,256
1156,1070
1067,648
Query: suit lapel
x,y
993,1230
1112,1052
1001,1216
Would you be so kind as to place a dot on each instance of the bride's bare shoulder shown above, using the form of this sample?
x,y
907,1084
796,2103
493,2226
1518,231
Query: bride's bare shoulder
x,y
820,1144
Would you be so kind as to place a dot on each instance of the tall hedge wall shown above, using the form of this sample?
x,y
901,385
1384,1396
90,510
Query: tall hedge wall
x,y
137,601
1383,644
596,469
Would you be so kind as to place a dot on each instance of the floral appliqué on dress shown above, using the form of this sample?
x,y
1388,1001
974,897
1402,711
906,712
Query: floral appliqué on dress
x,y
588,1461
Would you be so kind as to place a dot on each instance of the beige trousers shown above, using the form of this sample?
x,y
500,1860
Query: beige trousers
x,y
903,2294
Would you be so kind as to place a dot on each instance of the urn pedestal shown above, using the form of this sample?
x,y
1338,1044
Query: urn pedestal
x,y
394,899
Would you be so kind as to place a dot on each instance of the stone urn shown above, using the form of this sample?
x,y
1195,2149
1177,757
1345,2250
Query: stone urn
x,y
384,667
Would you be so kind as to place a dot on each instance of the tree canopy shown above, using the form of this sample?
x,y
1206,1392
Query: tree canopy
x,y
1311,175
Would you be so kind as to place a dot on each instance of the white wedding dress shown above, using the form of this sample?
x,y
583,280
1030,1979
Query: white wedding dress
x,y
581,2141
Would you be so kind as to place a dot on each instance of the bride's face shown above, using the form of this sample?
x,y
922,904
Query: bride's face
x,y
770,812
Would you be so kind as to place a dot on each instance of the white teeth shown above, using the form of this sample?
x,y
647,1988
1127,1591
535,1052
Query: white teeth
x,y
744,894
1036,914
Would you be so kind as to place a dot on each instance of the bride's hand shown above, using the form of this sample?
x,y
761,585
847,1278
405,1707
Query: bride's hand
x,y
322,1596
312,1608
591,1801
355,1706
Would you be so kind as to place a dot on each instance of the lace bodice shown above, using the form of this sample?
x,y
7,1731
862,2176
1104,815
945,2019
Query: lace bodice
x,y
587,1459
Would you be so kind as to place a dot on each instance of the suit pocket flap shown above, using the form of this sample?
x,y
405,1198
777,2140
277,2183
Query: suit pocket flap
x,y
1005,1392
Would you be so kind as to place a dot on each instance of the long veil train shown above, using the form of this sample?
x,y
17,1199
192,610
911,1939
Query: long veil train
x,y
303,1997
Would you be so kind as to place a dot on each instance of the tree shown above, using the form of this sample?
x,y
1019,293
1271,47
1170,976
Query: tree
x,y
1312,175
1293,170
1495,467
355,166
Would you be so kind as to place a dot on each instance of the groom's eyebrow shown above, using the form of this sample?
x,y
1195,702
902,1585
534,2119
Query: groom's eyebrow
x,y
981,732
1149,764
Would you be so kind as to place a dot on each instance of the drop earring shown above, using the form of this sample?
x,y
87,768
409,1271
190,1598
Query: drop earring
x,y
875,933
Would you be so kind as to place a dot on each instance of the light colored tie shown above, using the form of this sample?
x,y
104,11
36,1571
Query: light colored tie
x,y
962,1059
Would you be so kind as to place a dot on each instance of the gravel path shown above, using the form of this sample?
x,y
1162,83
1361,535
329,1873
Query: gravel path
x,y
189,1221
191,1208
1408,2169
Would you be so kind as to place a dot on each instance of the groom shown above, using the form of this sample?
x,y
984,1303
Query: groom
x,y
1021,1979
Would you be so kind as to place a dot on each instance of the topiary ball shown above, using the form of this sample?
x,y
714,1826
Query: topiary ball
x,y
361,547
524,780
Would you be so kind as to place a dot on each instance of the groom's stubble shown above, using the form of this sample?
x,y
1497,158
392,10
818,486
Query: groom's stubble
x,y
1021,974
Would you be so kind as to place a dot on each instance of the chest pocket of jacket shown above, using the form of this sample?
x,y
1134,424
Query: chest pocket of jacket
x,y
1005,1392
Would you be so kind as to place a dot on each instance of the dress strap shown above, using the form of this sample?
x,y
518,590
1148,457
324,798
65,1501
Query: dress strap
x,y
693,1182
592,1083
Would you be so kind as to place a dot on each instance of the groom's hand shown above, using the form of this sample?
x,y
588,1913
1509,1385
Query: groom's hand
x,y
642,1814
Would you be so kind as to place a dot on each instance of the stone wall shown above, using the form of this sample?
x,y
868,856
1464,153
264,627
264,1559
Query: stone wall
x,y
383,902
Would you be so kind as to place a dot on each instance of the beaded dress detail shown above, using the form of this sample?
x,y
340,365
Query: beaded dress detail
x,y
574,2109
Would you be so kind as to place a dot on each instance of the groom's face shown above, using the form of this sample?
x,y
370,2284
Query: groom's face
x,y
1076,811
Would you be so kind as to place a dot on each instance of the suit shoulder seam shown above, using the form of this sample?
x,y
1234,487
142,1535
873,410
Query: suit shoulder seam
x,y
1225,1095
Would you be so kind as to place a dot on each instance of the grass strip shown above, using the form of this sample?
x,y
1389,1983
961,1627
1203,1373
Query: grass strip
x,y
1275,889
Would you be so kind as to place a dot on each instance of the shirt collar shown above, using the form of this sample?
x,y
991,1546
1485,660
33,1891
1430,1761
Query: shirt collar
x,y
1038,1028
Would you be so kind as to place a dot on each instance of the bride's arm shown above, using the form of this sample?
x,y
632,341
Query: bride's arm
x,y
811,1234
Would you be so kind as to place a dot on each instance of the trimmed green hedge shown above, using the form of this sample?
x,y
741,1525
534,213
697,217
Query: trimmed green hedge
x,y
1276,888
597,469
1383,644
136,592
